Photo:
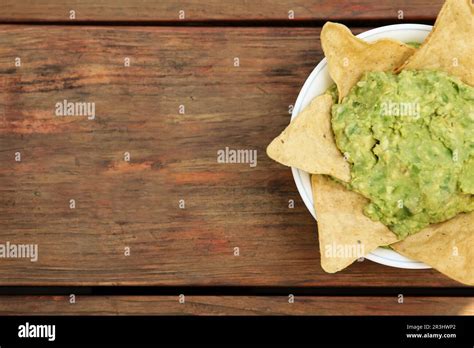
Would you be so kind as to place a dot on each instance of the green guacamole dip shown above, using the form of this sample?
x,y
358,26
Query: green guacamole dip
x,y
410,141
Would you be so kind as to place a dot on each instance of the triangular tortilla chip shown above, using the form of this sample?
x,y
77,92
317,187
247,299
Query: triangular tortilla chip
x,y
450,46
350,57
447,247
342,226
308,142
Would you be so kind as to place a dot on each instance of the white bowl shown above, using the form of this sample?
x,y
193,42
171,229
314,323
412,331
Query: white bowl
x,y
316,84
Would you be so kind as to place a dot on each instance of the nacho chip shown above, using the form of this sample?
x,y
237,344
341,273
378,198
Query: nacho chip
x,y
308,142
447,247
449,47
342,226
350,57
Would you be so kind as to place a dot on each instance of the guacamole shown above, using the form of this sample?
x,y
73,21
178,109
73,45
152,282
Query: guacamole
x,y
410,141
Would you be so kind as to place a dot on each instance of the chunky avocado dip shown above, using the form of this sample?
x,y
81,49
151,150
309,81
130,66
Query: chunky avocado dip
x,y
410,141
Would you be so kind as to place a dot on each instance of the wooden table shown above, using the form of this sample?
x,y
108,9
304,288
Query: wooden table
x,y
152,208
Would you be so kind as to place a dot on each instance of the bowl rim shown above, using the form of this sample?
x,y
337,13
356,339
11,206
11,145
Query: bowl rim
x,y
380,255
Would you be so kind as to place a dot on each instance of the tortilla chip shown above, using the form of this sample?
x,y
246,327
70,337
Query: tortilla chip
x,y
449,47
308,142
447,247
343,226
350,57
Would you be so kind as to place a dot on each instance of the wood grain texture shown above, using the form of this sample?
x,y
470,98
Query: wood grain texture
x,y
234,305
227,10
173,157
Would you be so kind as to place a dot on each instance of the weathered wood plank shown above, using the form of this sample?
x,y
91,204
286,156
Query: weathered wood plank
x,y
233,305
195,10
173,157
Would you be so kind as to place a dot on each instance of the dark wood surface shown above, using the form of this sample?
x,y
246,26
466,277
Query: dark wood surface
x,y
227,10
234,305
135,204
173,156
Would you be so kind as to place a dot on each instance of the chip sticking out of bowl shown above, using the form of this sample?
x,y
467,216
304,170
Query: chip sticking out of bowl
x,y
449,47
350,57
308,142
345,233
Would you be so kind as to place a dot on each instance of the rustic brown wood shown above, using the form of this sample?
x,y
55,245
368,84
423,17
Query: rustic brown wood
x,y
173,157
195,10
234,305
